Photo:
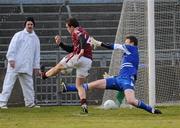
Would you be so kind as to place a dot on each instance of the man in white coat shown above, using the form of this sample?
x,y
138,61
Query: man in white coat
x,y
23,57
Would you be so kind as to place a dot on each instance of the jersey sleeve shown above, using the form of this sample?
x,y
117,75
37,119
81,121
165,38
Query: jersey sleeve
x,y
82,41
11,53
122,47
67,48
36,64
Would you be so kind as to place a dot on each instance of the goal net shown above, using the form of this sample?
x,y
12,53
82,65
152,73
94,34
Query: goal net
x,y
134,21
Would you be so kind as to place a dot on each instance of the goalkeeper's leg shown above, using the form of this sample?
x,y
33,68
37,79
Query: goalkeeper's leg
x,y
68,88
72,88
130,97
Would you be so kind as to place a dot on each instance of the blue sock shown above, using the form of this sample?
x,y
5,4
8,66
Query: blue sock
x,y
144,106
71,88
85,86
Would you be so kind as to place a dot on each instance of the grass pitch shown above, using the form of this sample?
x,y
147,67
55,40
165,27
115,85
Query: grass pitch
x,y
70,117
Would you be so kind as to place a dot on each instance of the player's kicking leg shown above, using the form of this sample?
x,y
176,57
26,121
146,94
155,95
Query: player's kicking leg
x,y
72,88
64,65
52,72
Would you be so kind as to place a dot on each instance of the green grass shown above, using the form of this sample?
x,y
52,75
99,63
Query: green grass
x,y
69,117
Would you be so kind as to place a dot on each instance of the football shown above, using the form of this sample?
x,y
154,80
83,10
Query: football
x,y
110,104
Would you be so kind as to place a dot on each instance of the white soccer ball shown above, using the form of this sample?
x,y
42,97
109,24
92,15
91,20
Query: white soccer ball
x,y
66,71
110,104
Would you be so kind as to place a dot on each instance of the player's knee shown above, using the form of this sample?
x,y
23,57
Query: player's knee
x,y
79,87
59,67
131,101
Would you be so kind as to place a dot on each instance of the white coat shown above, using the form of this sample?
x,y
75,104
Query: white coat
x,y
24,49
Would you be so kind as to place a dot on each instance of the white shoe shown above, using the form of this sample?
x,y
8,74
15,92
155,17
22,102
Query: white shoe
x,y
4,107
95,43
34,106
84,108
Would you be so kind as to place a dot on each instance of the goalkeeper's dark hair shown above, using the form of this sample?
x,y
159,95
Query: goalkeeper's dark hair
x,y
72,22
133,39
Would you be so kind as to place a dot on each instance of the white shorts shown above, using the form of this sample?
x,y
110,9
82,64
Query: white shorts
x,y
81,65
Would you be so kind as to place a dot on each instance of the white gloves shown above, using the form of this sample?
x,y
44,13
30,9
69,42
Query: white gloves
x,y
106,75
95,43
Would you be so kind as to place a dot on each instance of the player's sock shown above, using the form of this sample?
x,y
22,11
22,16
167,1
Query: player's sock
x,y
144,106
71,88
83,101
85,86
43,73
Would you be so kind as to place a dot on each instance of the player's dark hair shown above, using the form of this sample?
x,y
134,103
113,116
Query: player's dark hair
x,y
133,39
72,22
29,19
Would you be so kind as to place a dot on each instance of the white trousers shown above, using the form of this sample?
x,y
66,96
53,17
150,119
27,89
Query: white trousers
x,y
26,82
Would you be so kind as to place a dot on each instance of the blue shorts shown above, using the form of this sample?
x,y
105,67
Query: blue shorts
x,y
120,83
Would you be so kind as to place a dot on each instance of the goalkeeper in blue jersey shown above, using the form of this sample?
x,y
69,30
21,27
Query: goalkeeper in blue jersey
x,y
127,76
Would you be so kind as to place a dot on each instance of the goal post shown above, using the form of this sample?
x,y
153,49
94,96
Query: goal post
x,y
151,51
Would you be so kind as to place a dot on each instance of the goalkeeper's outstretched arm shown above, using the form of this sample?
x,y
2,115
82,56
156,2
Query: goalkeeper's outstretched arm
x,y
97,43
108,46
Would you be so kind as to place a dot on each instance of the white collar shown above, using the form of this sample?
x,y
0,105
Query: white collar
x,y
25,31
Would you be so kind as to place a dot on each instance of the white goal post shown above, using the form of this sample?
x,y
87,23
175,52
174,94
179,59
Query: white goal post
x,y
151,52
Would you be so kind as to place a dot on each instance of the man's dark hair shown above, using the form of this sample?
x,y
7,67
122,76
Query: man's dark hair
x,y
133,39
29,19
72,22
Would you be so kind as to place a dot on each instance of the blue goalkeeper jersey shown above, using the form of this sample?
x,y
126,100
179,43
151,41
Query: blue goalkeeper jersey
x,y
130,60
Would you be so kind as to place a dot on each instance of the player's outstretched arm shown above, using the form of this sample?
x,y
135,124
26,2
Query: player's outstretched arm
x,y
67,48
